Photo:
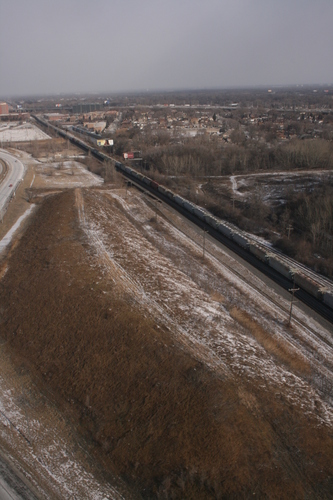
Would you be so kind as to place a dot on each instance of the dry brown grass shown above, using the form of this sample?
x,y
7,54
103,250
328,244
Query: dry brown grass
x,y
3,172
45,147
277,347
217,297
155,415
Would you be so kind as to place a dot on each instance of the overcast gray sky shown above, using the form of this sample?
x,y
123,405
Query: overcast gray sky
x,y
51,46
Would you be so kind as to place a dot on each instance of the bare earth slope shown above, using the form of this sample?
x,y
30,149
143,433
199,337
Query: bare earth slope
x,y
189,386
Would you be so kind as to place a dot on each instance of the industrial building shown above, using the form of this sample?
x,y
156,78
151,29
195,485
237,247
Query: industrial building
x,y
86,108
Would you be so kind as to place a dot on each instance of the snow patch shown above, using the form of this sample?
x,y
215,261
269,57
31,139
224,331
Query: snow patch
x,y
8,237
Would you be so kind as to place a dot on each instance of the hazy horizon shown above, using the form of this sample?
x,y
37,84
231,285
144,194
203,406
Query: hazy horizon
x,y
105,93
113,46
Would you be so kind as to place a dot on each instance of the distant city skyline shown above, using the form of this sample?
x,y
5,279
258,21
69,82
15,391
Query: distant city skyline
x,y
112,46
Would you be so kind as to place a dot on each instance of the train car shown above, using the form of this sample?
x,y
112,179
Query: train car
x,y
240,239
137,175
308,284
188,206
279,266
62,134
98,154
179,200
211,221
166,191
146,180
200,213
154,185
162,189
225,230
258,251
327,296
105,157
170,194
216,222
118,165
79,143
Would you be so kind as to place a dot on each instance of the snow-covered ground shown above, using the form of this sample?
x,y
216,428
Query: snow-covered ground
x,y
6,240
68,174
272,186
34,436
214,307
115,124
227,317
54,461
20,132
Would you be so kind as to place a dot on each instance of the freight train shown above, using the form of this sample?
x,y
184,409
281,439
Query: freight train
x,y
318,287
261,252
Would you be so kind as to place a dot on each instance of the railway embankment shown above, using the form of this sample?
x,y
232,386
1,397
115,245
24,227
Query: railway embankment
x,y
182,380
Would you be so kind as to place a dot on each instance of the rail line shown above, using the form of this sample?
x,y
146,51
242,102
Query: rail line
x,y
231,245
297,265
301,337
305,293
315,334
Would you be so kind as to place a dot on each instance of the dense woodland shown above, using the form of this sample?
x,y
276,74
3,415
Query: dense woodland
x,y
183,165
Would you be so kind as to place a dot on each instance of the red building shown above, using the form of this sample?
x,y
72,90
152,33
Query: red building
x,y
4,108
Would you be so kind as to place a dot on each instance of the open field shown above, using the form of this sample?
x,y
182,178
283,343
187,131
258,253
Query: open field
x,y
185,381
54,169
271,187
17,132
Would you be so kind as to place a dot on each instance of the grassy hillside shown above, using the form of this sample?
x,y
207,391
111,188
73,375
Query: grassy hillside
x,y
158,417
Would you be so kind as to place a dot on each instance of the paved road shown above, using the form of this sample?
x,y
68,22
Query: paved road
x,y
6,492
11,486
11,181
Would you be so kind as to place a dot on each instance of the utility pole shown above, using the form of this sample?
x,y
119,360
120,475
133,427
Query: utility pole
x,y
292,290
289,228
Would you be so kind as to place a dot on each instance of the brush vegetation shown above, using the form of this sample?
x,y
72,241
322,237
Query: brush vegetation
x,y
154,414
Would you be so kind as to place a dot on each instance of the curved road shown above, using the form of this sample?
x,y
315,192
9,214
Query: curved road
x,y
12,487
13,177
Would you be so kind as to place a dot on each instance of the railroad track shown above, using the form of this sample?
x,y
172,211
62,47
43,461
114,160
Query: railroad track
x,y
314,334
306,294
301,337
325,282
